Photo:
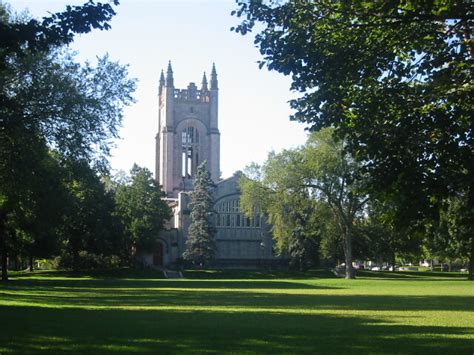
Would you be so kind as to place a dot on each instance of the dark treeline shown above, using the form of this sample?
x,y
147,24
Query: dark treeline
x,y
57,118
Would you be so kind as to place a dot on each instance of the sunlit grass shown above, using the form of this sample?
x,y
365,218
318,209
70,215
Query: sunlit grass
x,y
376,313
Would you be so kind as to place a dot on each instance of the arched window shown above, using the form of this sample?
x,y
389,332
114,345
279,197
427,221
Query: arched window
x,y
189,153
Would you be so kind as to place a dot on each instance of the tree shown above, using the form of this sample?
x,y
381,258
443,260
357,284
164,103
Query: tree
x,y
298,187
39,214
275,190
46,97
456,226
393,78
142,210
200,245
18,37
387,237
88,227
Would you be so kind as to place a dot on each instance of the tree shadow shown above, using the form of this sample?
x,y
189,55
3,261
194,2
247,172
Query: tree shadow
x,y
159,283
294,299
229,274
30,329
412,275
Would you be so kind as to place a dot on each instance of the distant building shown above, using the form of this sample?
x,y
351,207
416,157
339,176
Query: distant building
x,y
188,134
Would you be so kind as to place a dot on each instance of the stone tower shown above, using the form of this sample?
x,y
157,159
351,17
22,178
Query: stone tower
x,y
188,132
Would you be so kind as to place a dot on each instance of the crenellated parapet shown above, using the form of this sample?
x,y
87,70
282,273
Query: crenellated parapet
x,y
192,93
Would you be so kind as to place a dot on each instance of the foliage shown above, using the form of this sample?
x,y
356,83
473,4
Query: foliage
x,y
88,225
386,238
142,210
56,30
200,245
395,81
454,232
298,188
49,100
88,261
38,212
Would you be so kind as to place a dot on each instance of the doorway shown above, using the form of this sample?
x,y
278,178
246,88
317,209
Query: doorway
x,y
158,255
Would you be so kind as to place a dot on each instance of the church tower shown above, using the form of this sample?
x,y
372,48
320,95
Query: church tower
x,y
188,132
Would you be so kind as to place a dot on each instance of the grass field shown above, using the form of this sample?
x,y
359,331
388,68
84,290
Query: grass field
x,y
237,312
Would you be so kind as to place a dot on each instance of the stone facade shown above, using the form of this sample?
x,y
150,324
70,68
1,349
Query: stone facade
x,y
188,134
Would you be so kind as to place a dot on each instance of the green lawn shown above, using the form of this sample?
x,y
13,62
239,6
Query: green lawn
x,y
237,312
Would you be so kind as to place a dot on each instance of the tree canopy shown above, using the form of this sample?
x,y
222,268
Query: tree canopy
x,y
50,102
308,191
142,210
393,78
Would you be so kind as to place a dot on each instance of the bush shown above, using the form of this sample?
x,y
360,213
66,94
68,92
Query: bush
x,y
88,261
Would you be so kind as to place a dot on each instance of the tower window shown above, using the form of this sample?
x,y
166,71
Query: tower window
x,y
189,153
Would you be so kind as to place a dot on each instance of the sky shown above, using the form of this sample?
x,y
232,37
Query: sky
x,y
146,34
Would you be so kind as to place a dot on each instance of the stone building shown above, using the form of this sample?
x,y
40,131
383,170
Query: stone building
x,y
188,134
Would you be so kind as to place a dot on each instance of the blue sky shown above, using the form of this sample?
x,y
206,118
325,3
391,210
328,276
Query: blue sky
x,y
253,108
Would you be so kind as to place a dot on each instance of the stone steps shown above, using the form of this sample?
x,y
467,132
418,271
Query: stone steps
x,y
169,274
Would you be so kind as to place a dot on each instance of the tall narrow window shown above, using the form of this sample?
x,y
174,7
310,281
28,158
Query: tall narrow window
x,y
189,155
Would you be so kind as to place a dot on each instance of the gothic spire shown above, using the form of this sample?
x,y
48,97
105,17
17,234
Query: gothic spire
x,y
162,83
169,75
204,83
162,78
213,77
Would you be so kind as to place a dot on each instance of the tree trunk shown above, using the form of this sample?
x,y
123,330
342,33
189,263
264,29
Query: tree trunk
x,y
3,248
75,260
31,266
350,274
393,261
471,261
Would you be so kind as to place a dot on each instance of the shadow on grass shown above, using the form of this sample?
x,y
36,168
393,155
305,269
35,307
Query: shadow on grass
x,y
94,274
412,275
157,283
258,274
211,274
28,329
116,298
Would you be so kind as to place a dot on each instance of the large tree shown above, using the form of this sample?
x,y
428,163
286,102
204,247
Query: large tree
x,y
48,98
20,37
395,80
88,228
275,189
142,211
296,188
200,245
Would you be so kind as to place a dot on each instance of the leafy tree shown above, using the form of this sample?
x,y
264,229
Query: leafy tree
x,y
455,232
18,37
142,210
39,215
46,97
200,245
388,238
395,80
87,225
275,189
319,177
